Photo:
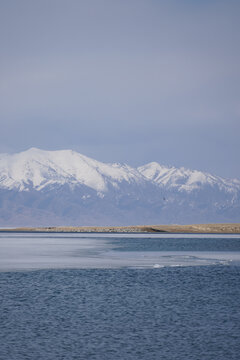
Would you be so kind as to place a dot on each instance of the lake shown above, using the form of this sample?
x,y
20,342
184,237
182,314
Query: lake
x,y
119,296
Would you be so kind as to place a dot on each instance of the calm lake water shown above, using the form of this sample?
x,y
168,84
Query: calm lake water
x,y
71,296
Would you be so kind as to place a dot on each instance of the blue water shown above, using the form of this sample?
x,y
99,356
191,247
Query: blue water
x,y
179,243
180,312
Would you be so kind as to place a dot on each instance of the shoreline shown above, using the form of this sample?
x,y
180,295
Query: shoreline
x,y
225,228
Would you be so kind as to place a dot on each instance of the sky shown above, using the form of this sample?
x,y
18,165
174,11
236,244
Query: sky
x,y
129,81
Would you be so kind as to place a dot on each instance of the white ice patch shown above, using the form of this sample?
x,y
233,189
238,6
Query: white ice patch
x,y
20,251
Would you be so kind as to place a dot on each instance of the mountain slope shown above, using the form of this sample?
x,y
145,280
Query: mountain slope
x,y
185,179
63,187
38,169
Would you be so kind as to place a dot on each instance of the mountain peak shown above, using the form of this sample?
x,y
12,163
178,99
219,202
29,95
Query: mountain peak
x,y
40,168
184,179
70,187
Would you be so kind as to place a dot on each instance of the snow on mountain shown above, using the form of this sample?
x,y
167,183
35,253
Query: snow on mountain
x,y
48,188
184,179
38,169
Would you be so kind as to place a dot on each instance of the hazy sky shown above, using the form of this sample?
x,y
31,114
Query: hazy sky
x,y
123,80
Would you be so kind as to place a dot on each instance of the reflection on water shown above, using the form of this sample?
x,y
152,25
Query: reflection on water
x,y
19,251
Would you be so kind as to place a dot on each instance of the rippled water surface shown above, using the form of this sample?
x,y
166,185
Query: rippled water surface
x,y
117,302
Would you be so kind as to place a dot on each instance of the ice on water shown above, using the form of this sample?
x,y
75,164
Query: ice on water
x,y
19,251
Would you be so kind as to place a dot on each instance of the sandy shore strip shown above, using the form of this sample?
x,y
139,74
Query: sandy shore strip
x,y
188,229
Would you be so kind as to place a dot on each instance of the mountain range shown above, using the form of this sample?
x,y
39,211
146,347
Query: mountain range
x,y
50,188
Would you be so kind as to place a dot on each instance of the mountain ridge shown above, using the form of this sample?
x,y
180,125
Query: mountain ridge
x,y
40,187
61,165
159,174
174,177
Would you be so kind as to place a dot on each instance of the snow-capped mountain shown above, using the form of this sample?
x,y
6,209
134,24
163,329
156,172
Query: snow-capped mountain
x,y
186,180
63,187
39,169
